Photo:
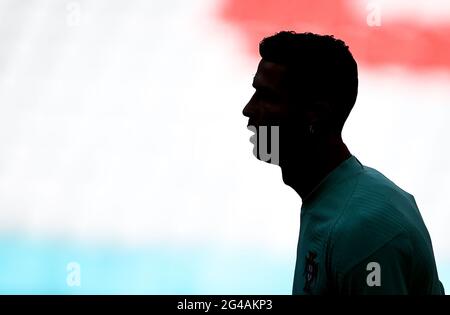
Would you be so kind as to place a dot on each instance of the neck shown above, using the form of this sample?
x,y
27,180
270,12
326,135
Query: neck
x,y
304,176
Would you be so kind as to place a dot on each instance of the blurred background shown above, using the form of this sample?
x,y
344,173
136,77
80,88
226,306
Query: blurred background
x,y
125,162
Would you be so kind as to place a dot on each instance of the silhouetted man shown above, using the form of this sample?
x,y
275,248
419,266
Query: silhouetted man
x,y
359,232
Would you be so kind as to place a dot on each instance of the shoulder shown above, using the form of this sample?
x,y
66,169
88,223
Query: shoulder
x,y
377,214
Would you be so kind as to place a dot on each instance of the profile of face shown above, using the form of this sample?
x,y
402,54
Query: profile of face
x,y
271,107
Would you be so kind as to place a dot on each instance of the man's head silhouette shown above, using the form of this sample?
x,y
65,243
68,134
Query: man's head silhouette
x,y
353,218
307,85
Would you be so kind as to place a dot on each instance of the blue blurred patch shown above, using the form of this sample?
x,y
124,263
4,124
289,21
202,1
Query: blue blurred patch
x,y
40,267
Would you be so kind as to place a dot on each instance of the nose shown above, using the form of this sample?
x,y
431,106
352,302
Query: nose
x,y
249,109
246,111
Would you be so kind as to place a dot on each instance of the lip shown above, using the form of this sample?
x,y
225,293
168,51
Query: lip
x,y
253,129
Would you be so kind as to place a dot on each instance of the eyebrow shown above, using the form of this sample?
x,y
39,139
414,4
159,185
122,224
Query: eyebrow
x,y
262,88
254,81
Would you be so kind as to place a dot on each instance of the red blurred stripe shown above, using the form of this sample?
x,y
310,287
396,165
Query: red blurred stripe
x,y
404,42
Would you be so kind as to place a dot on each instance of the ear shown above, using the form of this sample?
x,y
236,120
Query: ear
x,y
319,113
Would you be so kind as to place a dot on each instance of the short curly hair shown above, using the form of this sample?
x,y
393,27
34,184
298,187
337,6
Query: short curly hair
x,y
320,67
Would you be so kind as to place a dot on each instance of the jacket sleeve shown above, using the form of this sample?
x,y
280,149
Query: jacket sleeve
x,y
385,271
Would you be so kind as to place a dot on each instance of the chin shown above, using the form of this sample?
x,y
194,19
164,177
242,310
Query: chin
x,y
255,151
285,176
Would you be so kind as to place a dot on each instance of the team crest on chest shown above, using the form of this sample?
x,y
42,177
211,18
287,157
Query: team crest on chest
x,y
311,270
